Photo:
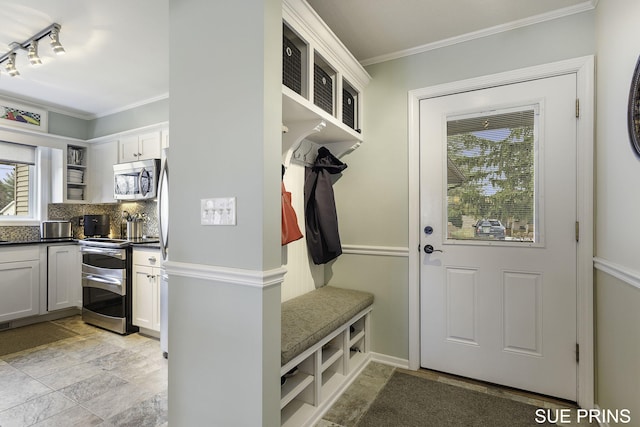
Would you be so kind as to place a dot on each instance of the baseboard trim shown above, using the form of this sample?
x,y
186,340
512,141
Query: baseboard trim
x,y
618,271
390,360
236,276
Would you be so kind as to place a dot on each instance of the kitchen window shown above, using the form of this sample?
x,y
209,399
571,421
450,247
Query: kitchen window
x,y
18,173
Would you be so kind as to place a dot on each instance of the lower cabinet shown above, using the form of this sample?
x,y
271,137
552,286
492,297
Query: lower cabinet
x,y
19,282
64,281
146,289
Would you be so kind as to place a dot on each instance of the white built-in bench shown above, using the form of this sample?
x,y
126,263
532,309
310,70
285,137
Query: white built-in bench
x,y
325,335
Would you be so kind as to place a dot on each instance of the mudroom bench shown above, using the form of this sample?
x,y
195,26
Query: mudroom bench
x,y
325,344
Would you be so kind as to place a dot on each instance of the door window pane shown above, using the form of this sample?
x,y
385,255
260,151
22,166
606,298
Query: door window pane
x,y
491,176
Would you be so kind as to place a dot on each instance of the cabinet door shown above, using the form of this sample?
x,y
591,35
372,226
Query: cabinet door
x,y
64,283
143,283
102,158
128,150
150,146
20,289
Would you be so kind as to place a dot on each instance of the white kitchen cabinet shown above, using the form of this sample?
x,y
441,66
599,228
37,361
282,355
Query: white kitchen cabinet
x,y
19,282
64,270
102,157
146,288
140,147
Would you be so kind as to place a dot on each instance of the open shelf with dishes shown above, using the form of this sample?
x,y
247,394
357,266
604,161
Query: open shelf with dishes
x,y
69,171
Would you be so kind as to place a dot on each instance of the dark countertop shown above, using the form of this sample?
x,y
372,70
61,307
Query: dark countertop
x,y
35,242
150,242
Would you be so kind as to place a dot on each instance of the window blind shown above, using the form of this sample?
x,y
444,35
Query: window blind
x,y
11,152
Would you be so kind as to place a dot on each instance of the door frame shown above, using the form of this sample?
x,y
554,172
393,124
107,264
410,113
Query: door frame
x,y
583,67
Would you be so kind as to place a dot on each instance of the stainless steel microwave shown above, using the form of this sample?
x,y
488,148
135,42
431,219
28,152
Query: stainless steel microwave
x,y
136,180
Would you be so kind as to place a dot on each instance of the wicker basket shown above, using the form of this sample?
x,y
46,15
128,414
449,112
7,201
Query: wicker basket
x,y
322,89
348,109
291,66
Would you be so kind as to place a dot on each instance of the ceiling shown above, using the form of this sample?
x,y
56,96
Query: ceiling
x,y
117,50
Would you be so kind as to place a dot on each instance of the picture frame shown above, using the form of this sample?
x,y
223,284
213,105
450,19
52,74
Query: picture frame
x,y
633,110
23,116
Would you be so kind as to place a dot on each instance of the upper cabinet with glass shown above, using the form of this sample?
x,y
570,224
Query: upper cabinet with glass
x,y
322,84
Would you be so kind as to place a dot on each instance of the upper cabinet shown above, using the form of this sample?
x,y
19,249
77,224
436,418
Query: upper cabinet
x,y
322,86
140,147
102,157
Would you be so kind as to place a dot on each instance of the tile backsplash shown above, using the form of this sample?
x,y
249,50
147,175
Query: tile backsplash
x,y
75,213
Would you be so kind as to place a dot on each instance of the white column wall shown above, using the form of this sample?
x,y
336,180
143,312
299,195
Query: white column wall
x,y
224,281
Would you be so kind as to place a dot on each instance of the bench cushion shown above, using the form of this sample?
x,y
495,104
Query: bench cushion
x,y
312,316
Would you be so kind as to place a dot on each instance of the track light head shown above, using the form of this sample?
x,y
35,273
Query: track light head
x,y
11,65
55,42
32,53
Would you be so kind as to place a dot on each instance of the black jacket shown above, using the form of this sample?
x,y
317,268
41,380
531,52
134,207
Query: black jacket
x,y
321,220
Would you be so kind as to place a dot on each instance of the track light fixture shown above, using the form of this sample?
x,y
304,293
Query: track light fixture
x,y
11,65
31,46
55,43
32,54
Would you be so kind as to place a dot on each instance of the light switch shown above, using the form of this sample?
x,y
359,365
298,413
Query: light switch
x,y
218,211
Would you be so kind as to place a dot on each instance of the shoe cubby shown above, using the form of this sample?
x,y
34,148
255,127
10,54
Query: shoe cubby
x,y
358,341
322,372
298,395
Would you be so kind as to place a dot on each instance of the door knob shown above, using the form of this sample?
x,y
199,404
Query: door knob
x,y
428,249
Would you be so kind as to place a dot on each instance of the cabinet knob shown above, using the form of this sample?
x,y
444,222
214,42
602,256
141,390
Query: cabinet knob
x,y
152,259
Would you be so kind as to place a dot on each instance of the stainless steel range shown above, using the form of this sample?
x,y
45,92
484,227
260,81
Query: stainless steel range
x,y
107,284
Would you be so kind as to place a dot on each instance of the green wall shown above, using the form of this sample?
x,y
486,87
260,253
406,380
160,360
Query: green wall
x,y
134,118
617,203
372,195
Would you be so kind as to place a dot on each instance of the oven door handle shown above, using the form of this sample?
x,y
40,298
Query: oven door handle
x,y
107,280
105,283
101,251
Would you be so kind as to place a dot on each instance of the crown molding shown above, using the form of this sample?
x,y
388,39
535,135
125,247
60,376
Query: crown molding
x,y
532,20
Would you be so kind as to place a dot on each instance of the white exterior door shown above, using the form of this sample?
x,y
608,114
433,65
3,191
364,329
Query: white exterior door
x,y
499,302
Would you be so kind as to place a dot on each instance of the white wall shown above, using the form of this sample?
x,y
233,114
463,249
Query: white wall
x,y
372,195
617,206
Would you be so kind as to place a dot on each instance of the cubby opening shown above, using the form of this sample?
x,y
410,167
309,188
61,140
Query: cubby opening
x,y
324,85
294,60
350,106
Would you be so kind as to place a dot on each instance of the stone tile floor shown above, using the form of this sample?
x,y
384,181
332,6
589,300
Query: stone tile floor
x,y
94,378
99,378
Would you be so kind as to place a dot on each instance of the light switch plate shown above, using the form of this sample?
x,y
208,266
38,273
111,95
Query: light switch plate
x,y
218,211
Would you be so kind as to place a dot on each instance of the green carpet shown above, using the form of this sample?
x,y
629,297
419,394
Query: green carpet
x,y
25,337
411,401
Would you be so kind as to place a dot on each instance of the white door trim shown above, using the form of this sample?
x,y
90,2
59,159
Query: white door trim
x,y
583,67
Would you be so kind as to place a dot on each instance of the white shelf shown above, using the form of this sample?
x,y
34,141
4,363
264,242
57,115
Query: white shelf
x,y
329,356
296,108
357,337
356,359
331,381
293,387
296,413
